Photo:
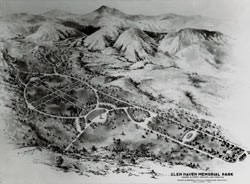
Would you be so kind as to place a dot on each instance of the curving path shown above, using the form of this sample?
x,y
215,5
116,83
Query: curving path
x,y
96,91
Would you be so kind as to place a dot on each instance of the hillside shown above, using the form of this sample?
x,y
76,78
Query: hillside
x,y
102,38
11,30
24,18
135,45
199,50
105,16
51,31
175,41
95,17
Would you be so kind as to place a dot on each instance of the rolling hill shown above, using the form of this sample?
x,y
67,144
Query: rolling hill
x,y
196,48
131,45
135,45
102,38
51,31
11,30
176,41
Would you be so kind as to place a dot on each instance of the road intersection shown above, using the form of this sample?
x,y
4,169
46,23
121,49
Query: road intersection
x,y
62,93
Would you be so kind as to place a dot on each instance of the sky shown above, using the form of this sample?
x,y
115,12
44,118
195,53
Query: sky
x,y
225,9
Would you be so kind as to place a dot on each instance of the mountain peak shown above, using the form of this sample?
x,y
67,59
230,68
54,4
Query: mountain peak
x,y
108,10
104,8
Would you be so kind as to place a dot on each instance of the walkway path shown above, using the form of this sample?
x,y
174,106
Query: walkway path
x,y
96,91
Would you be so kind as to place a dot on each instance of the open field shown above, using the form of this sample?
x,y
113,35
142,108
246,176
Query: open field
x,y
59,96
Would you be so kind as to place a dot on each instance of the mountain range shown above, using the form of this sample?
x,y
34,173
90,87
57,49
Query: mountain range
x,y
136,37
132,43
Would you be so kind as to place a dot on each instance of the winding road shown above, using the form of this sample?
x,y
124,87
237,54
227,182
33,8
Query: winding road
x,y
60,93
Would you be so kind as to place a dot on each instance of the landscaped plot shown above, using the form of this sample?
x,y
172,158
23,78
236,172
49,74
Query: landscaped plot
x,y
108,99
85,96
200,141
167,127
59,107
43,100
58,132
98,112
138,115
106,106
52,59
217,147
73,85
21,65
118,127
119,116
86,110
35,92
190,136
55,95
57,81
51,56
117,122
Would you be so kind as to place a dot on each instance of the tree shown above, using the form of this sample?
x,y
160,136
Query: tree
x,y
93,148
132,160
59,161
121,162
118,147
143,149
84,150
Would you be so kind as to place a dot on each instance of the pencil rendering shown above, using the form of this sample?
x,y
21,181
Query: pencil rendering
x,y
111,93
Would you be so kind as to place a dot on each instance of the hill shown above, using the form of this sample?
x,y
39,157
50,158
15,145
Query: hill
x,y
11,30
135,45
51,31
199,50
102,38
175,41
105,16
